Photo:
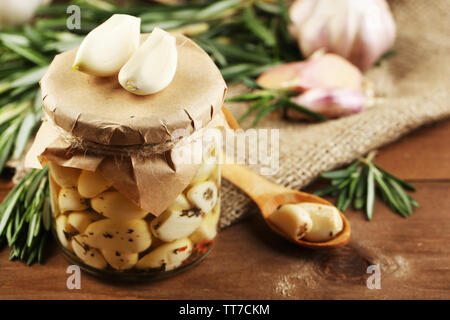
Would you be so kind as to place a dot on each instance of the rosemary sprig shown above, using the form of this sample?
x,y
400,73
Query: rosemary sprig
x,y
25,217
245,38
266,101
359,183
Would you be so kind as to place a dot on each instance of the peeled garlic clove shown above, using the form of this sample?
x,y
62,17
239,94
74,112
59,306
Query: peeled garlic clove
x,y
180,203
167,256
203,195
70,200
108,47
119,260
153,66
64,232
54,192
293,220
64,176
114,205
91,184
80,220
326,221
90,256
207,230
204,172
175,223
209,157
131,236
331,103
16,13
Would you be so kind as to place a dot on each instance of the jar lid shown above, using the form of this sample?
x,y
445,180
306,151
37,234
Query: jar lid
x,y
99,110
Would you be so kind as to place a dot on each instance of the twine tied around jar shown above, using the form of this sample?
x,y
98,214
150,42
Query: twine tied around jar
x,y
141,151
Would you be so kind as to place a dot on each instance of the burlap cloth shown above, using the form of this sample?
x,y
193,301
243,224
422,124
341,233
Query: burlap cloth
x,y
413,89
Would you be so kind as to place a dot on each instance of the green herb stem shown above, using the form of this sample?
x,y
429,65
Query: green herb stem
x,y
361,181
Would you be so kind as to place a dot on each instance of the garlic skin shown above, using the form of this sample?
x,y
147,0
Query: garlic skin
x,y
360,31
153,66
16,13
108,47
329,85
332,103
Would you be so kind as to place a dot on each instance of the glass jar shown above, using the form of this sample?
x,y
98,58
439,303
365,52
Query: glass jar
x,y
125,202
106,234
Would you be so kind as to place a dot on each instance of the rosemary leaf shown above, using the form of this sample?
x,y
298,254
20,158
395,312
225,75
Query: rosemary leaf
x,y
255,25
265,110
253,107
340,174
361,181
370,193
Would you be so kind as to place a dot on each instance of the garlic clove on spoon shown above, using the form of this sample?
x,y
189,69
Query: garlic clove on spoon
x,y
292,220
153,66
326,221
108,47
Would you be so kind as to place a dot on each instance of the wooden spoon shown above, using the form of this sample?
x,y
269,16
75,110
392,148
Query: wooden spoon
x,y
269,197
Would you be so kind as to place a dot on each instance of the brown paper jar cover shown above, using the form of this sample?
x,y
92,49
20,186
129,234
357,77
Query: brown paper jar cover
x,y
101,111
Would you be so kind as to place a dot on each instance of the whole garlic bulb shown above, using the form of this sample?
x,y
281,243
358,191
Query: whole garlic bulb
x,y
359,30
15,13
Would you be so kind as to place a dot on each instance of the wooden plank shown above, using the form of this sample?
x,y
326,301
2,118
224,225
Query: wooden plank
x,y
422,155
251,262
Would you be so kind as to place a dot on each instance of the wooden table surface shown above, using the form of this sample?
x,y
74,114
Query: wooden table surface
x,y
251,262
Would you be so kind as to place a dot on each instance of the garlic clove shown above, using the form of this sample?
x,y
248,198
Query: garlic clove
x,y
360,31
131,236
119,260
320,71
330,71
153,66
14,13
211,153
203,195
54,193
70,200
114,205
91,256
293,220
168,256
80,220
91,184
375,44
176,223
326,221
108,47
331,103
207,230
64,176
64,232
180,203
285,76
